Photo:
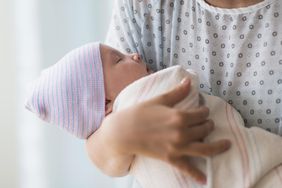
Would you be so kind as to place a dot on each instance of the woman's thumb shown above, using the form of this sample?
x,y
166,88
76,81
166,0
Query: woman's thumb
x,y
175,95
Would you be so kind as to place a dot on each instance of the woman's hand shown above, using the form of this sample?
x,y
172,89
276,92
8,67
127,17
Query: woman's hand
x,y
155,129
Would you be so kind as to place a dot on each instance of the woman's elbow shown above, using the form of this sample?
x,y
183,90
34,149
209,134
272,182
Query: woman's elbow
x,y
106,164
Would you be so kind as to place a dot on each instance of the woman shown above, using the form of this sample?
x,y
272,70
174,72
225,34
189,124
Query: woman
x,y
235,47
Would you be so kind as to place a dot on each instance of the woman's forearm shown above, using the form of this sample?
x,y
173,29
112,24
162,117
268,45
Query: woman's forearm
x,y
105,154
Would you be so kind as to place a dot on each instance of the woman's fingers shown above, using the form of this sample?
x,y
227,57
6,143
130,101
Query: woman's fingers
x,y
174,96
184,164
181,138
199,132
195,116
198,149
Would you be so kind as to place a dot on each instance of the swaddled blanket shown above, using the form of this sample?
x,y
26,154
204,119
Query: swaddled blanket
x,y
253,160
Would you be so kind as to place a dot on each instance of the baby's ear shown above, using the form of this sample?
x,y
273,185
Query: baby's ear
x,y
108,107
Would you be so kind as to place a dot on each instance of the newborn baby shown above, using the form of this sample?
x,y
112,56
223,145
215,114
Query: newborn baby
x,y
94,80
78,91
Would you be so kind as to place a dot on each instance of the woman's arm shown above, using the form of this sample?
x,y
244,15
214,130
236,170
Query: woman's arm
x,y
154,129
104,153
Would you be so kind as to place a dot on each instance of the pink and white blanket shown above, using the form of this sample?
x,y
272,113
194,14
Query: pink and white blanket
x,y
254,159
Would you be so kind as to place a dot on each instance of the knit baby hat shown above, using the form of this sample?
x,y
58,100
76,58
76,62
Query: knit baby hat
x,y
70,94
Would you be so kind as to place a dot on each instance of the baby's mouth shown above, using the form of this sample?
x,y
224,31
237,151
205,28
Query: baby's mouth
x,y
148,70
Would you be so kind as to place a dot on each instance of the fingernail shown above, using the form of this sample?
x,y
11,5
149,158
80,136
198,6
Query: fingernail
x,y
185,81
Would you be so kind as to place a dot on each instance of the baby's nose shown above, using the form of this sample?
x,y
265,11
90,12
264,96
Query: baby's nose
x,y
136,57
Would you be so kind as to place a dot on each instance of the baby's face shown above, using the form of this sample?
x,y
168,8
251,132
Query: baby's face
x,y
120,70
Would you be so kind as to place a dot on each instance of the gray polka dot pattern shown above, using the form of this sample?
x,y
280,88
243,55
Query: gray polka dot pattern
x,y
236,52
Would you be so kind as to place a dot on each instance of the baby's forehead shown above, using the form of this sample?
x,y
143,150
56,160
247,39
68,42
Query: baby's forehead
x,y
109,53
109,50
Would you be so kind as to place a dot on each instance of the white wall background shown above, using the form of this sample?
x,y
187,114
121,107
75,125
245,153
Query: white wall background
x,y
34,34
8,143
